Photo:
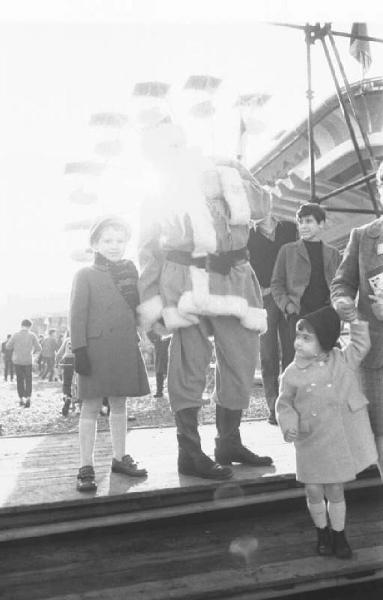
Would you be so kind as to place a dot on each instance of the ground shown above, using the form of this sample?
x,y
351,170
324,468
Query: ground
x,y
44,415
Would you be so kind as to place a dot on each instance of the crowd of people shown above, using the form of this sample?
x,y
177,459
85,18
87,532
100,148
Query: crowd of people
x,y
227,271
53,361
26,352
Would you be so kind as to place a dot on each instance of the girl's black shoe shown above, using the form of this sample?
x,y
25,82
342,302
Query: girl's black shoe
x,y
324,546
86,479
341,546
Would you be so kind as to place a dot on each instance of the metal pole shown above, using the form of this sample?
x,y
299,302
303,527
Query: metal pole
x,y
348,186
349,125
310,128
360,211
351,99
366,38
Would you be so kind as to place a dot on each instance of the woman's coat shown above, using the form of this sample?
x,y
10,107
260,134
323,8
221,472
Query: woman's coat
x,y
362,257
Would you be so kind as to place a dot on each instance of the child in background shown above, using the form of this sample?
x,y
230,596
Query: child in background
x,y
65,360
161,352
322,410
103,331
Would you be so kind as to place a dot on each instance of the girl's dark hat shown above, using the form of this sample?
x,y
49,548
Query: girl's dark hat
x,y
326,325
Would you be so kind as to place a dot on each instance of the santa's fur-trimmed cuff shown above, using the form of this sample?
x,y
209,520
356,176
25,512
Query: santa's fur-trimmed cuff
x,y
256,319
216,305
150,311
174,319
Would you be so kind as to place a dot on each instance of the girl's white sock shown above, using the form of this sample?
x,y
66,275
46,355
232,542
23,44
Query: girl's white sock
x,y
87,430
117,422
87,438
318,513
337,515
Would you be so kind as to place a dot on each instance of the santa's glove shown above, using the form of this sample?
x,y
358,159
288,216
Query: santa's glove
x,y
81,361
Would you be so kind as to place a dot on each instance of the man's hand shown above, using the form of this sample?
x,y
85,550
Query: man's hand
x,y
346,309
291,435
291,309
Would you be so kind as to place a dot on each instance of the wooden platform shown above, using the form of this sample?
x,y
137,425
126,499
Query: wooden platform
x,y
38,481
169,536
255,553
43,469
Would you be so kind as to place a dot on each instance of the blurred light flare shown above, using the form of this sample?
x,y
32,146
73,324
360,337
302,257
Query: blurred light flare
x,y
244,548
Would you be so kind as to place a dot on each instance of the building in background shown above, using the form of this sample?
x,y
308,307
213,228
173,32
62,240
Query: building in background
x,y
286,167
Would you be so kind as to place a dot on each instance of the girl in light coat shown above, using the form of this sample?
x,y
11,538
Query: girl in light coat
x,y
322,410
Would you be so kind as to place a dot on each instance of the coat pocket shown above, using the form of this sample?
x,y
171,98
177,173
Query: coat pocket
x,y
93,331
356,402
304,425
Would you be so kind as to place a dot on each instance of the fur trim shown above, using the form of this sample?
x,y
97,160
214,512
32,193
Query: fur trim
x,y
235,195
255,318
150,311
216,305
174,319
204,234
200,287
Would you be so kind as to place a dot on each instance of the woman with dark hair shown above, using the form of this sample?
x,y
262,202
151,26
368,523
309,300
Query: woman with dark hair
x,y
104,338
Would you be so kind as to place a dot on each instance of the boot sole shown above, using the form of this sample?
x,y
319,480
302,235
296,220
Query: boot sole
x,y
193,473
229,462
130,474
86,488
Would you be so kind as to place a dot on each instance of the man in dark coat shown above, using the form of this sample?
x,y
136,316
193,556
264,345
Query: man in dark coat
x,y
276,347
304,269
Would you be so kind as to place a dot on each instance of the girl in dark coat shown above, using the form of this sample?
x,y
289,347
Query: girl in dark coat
x,y
105,344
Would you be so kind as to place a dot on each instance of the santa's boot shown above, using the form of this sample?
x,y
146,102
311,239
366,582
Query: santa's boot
x,y
191,459
229,447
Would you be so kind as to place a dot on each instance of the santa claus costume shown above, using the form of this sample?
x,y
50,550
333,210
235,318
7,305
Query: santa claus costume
x,y
196,280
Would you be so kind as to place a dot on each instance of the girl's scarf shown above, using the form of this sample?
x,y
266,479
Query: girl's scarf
x,y
125,278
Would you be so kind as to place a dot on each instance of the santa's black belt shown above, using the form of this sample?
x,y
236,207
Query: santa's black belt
x,y
216,263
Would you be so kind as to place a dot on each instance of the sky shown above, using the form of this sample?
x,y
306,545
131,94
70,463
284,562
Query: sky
x,y
61,62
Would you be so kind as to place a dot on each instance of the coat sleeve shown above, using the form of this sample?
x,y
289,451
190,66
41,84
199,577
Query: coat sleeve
x,y
259,197
359,343
151,259
36,344
78,312
346,280
11,343
278,280
287,416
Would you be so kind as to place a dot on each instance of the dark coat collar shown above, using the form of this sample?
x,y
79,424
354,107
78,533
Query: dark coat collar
x,y
100,267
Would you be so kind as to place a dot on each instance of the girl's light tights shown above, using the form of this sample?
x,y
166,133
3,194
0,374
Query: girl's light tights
x,y
90,410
